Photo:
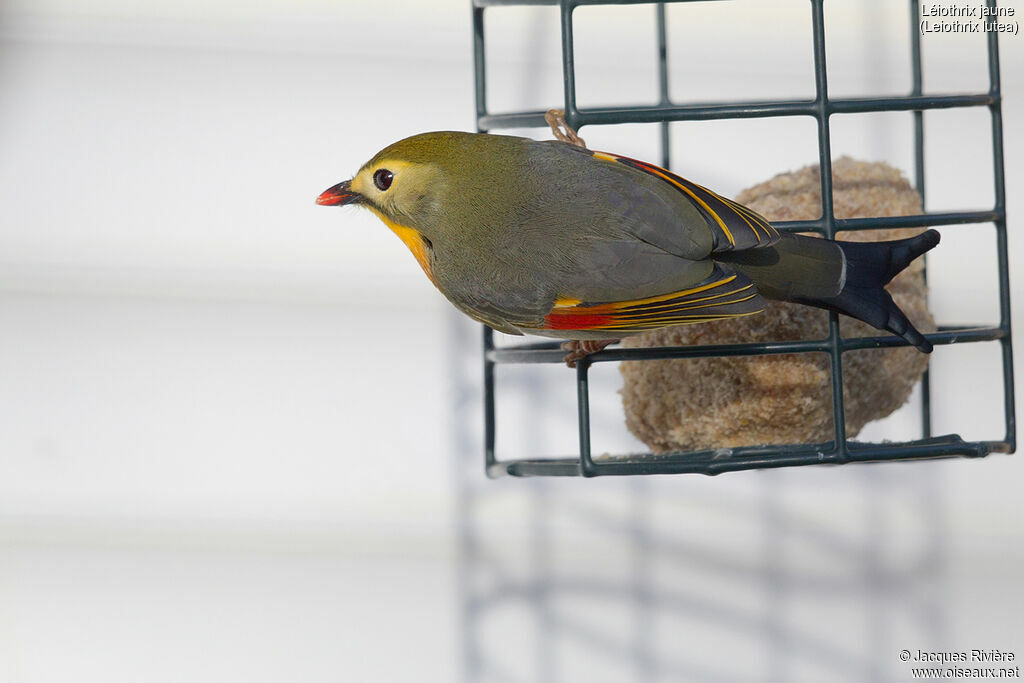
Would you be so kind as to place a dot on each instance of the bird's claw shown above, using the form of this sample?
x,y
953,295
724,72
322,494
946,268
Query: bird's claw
x,y
579,349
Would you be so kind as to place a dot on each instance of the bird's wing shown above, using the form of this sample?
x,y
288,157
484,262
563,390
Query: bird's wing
x,y
724,294
734,226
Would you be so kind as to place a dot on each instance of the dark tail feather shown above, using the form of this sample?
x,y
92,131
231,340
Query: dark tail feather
x,y
869,267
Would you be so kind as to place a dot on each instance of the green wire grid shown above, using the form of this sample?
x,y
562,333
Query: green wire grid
x,y
821,108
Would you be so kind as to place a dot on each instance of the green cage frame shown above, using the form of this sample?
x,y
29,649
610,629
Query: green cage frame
x,y
839,449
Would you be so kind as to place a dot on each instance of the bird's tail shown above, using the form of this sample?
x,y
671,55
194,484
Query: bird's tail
x,y
846,277
869,267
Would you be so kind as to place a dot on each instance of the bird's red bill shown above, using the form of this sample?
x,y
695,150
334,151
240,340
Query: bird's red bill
x,y
338,195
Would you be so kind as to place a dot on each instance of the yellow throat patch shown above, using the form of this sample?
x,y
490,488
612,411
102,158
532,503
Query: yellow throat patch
x,y
412,239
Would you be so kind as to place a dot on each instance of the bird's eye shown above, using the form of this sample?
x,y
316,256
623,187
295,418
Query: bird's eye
x,y
382,179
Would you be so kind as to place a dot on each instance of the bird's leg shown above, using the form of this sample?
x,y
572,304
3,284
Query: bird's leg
x,y
562,130
577,350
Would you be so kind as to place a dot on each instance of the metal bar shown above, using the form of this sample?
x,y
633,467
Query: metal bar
x,y
658,113
514,3
828,216
570,3
999,176
923,220
663,96
537,353
479,67
523,119
549,345
918,102
916,90
489,422
753,457
569,68
480,92
594,3
735,110
674,112
586,464
890,222
583,416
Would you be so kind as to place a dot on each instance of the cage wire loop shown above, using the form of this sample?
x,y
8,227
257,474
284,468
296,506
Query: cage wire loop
x,y
821,108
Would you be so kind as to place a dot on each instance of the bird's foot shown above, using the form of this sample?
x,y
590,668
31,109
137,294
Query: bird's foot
x,y
562,130
577,350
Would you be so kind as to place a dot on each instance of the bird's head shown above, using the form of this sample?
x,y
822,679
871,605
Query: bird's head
x,y
405,183
437,181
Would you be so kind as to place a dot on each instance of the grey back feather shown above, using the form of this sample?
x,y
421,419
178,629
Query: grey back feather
x,y
568,225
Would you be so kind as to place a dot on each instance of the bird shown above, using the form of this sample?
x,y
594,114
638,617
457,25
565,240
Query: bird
x,y
555,240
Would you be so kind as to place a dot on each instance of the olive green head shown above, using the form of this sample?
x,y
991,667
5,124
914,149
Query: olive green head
x,y
431,179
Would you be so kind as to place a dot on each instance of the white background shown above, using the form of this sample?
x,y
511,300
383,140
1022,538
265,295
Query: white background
x,y
229,443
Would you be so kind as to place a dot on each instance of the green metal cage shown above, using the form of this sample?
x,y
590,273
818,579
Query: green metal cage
x,y
839,449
